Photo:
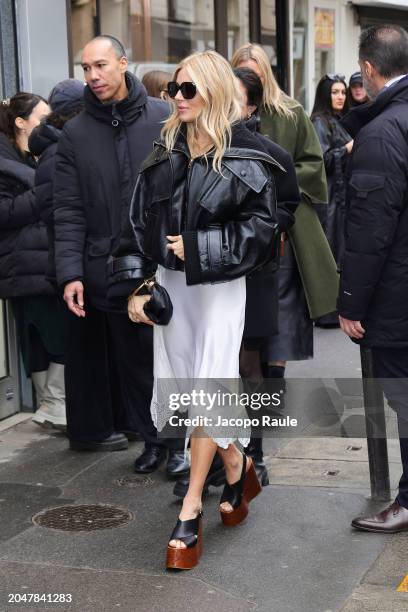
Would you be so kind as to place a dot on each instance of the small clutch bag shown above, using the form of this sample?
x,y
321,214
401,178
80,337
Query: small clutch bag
x,y
159,308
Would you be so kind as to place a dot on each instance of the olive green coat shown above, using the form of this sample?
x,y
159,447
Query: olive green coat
x,y
316,263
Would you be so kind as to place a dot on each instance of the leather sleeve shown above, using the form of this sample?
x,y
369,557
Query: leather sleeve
x,y
330,153
236,248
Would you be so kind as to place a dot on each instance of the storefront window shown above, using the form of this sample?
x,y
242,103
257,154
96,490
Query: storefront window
x,y
268,30
83,28
157,34
324,21
300,52
238,25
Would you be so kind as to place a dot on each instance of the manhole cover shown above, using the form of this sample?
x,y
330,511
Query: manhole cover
x,y
82,518
134,481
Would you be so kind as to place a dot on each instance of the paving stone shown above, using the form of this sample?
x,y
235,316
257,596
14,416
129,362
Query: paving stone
x,y
19,502
312,473
392,566
105,591
368,598
334,449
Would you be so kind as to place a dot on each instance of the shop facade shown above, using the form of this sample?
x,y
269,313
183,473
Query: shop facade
x,y
304,39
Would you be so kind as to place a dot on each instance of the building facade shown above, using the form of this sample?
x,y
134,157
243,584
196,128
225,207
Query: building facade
x,y
41,43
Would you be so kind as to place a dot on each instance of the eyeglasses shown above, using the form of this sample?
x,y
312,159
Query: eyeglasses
x,y
335,77
188,89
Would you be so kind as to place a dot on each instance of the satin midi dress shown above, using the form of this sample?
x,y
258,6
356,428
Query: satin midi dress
x,y
199,348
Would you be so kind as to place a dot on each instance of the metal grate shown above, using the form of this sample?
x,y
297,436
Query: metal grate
x,y
82,518
134,481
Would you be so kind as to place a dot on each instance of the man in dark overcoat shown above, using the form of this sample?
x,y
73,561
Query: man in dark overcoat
x,y
374,280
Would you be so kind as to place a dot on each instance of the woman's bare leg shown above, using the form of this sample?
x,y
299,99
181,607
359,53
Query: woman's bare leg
x,y
202,450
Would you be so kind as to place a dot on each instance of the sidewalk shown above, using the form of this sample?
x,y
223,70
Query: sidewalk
x,y
295,553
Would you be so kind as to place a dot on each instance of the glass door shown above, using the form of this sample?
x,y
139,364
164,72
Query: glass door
x,y
9,393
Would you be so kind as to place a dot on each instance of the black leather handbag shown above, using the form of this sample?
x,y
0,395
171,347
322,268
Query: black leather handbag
x,y
159,308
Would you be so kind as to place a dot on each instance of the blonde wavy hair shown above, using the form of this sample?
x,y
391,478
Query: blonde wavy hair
x,y
219,89
274,99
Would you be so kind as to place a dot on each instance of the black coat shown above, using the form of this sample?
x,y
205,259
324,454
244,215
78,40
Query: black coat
x,y
43,143
98,159
228,220
333,138
262,294
23,237
374,278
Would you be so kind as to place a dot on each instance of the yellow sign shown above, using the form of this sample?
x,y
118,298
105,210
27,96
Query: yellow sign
x,y
403,587
324,28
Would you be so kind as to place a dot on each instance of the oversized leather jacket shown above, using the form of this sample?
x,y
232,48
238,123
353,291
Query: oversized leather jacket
x,y
228,221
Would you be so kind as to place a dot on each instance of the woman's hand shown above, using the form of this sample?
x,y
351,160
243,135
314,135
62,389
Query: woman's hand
x,y
349,146
135,309
176,246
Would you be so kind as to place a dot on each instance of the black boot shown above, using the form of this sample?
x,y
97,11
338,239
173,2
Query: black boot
x,y
215,477
275,379
115,442
177,465
150,460
254,450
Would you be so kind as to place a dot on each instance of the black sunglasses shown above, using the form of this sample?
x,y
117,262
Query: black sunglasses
x,y
335,77
188,89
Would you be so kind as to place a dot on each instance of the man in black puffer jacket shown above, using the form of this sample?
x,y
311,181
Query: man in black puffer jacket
x,y
374,280
98,160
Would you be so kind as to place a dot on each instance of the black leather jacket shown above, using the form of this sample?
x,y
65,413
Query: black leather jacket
x,y
228,221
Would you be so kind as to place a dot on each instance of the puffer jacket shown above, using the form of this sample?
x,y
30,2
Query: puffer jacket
x,y
228,220
23,236
43,143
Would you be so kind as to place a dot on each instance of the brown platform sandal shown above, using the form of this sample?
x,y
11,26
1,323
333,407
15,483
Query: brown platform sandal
x,y
189,532
240,494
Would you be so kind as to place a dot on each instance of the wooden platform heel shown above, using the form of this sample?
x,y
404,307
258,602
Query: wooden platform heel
x,y
240,494
189,532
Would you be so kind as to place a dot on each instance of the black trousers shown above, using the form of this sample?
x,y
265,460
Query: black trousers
x,y
109,378
391,365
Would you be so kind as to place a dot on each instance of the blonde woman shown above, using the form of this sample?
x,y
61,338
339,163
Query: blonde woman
x,y
308,280
204,210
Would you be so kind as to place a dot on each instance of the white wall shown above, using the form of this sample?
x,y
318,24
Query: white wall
x,y
347,58
42,44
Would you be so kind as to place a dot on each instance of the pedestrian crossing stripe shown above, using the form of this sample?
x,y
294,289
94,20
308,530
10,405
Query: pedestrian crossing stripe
x,y
403,587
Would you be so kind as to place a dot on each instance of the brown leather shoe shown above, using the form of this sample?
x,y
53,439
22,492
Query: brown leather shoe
x,y
391,520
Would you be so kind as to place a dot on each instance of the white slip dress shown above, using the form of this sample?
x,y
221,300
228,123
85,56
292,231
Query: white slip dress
x,y
200,348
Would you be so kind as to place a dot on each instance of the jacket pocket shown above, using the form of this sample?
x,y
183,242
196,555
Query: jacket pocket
x,y
99,247
363,184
